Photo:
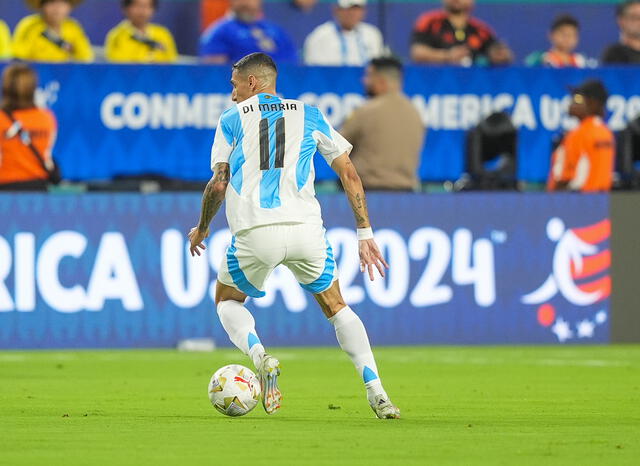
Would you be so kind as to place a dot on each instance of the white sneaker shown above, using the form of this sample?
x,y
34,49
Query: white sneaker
x,y
268,373
384,409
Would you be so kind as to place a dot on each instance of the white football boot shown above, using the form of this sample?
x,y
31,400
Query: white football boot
x,y
383,408
268,373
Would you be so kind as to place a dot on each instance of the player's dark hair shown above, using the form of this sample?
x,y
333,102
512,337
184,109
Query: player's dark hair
x,y
564,20
621,8
390,66
255,60
127,3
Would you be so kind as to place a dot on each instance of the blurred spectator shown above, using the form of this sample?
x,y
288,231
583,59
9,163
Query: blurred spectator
x,y
452,36
305,5
5,41
136,39
345,41
564,37
627,50
27,133
51,35
387,132
584,159
245,31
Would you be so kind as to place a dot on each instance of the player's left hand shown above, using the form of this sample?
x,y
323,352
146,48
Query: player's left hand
x,y
196,238
370,257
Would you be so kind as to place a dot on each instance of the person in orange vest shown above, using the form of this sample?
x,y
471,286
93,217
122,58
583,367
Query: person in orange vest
x,y
584,159
27,132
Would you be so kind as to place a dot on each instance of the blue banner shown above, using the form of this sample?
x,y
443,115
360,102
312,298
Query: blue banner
x,y
114,271
129,120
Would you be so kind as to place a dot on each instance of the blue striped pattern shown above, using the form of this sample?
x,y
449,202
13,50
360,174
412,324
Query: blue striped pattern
x,y
238,276
308,147
322,125
231,125
270,182
324,281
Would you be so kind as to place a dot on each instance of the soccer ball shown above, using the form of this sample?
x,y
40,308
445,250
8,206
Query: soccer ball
x,y
234,390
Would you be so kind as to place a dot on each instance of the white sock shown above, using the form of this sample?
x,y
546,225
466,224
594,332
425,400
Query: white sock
x,y
353,339
241,328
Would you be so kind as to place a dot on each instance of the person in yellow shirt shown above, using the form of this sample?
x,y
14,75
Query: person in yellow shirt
x,y
5,41
136,39
51,35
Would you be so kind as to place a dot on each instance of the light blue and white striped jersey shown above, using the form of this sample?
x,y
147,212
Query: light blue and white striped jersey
x,y
269,144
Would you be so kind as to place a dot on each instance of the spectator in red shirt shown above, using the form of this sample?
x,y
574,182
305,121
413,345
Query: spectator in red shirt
x,y
452,36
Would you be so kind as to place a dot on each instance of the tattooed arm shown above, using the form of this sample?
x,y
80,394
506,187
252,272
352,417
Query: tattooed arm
x,y
353,189
370,255
212,199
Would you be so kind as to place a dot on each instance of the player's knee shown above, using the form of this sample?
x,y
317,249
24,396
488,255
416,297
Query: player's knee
x,y
227,293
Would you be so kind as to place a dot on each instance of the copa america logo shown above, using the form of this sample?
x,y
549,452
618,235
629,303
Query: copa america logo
x,y
580,275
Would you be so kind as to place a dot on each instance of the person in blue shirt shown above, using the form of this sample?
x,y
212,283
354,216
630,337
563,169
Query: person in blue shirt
x,y
244,31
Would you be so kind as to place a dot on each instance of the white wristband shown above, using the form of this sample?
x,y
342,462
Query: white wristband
x,y
364,233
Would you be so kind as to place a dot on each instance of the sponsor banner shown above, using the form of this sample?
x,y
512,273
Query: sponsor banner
x,y
114,271
128,120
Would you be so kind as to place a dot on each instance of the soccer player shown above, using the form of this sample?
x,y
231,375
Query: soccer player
x,y
262,163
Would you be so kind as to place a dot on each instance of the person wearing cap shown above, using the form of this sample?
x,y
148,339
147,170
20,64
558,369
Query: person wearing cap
x,y
51,35
564,37
627,50
387,132
136,39
346,40
5,41
453,36
243,31
584,159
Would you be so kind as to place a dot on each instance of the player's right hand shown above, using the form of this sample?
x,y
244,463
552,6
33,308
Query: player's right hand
x,y
196,238
370,256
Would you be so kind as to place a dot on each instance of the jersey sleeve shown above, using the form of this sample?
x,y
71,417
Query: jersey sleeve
x,y
331,144
222,143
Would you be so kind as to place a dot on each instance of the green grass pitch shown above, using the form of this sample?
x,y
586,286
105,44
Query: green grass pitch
x,y
462,406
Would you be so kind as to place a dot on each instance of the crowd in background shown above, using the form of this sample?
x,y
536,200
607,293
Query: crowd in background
x,y
386,124
448,35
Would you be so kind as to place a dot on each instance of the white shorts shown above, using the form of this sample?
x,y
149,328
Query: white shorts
x,y
302,248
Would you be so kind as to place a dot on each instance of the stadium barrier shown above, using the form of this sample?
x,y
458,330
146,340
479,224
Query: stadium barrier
x,y
131,120
113,270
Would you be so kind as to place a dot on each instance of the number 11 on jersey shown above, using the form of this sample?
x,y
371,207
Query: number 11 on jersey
x,y
265,151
